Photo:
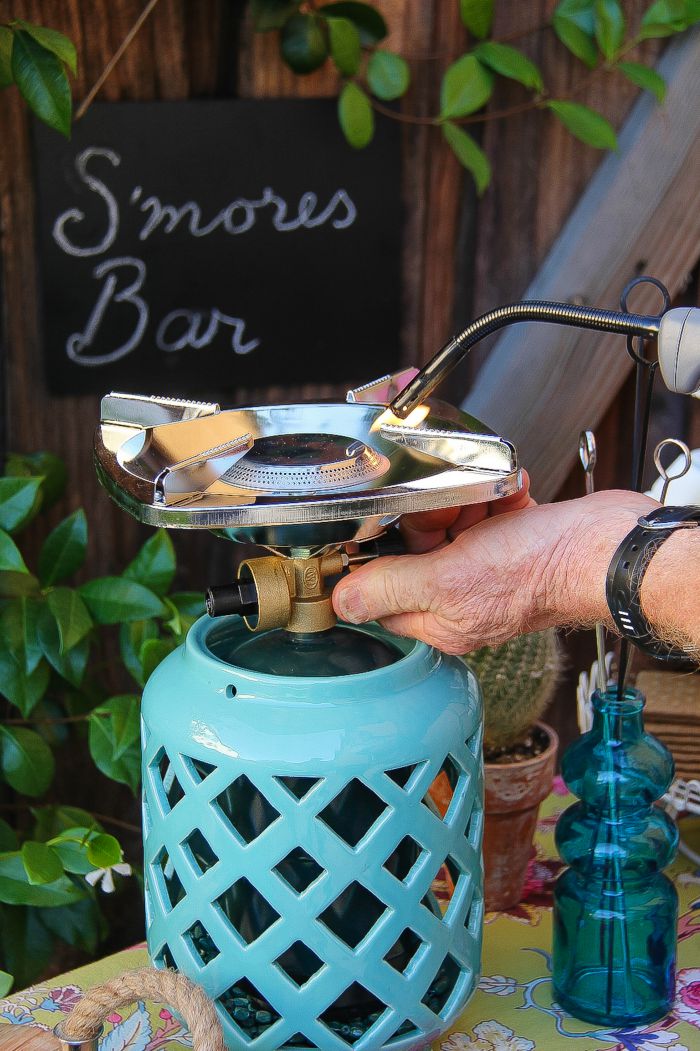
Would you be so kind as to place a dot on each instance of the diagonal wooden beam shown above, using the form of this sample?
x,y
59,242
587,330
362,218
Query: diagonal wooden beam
x,y
541,385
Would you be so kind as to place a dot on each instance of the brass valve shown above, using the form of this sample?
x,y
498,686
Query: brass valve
x,y
278,592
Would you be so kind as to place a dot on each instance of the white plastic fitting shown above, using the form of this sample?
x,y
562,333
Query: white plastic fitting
x,y
679,350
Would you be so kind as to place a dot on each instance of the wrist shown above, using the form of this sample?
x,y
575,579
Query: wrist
x,y
672,611
597,525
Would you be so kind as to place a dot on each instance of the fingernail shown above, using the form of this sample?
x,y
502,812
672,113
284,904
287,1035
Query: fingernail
x,y
352,606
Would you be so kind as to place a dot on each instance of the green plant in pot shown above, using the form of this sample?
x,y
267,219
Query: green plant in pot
x,y
517,680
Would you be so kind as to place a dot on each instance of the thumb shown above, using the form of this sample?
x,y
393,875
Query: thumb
x,y
402,584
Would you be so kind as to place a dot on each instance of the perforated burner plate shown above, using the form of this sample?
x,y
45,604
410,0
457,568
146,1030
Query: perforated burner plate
x,y
306,463
302,476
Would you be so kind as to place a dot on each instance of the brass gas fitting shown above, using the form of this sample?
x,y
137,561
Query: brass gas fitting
x,y
293,592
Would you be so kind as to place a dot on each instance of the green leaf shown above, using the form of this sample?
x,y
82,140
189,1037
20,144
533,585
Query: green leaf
x,y
355,116
154,565
645,78
41,863
131,638
104,851
113,600
114,740
80,925
345,45
366,19
8,837
587,125
70,664
189,603
6,981
271,14
26,761
63,551
26,947
44,465
19,628
6,77
303,43
53,41
609,27
15,888
466,87
388,75
469,154
477,16
10,556
72,848
71,615
23,690
14,585
509,62
664,18
19,499
42,81
51,820
153,651
574,23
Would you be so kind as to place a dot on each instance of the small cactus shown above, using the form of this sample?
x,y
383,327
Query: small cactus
x,y
517,680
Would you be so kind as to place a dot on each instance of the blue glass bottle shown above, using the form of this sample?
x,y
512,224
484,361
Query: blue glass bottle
x,y
615,911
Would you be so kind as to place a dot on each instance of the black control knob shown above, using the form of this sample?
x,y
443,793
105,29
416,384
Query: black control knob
x,y
240,597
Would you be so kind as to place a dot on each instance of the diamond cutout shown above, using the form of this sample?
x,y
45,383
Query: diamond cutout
x,y
248,912
367,1008
443,787
443,983
299,869
172,789
247,810
202,942
430,902
401,775
299,1040
445,883
200,768
404,1029
403,950
300,963
165,958
353,812
403,860
473,831
171,881
353,914
248,1009
199,851
299,787
475,914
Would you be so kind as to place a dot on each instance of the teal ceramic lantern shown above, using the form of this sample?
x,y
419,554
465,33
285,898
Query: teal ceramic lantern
x,y
296,864
312,791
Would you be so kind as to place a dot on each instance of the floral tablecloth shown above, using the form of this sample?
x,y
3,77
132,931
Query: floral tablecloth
x,y
512,1010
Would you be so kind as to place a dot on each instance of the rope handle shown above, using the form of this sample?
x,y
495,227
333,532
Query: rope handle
x,y
83,1026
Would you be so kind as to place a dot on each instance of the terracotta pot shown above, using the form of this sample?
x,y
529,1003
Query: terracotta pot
x,y
512,796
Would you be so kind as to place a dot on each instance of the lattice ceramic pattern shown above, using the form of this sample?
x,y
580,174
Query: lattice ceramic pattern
x,y
291,889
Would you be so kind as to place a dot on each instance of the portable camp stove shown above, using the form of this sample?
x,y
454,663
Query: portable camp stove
x,y
312,791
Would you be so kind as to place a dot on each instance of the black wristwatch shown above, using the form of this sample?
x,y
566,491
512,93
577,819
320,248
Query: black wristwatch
x,y
628,566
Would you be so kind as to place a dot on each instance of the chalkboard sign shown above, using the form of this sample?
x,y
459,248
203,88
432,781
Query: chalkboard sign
x,y
194,248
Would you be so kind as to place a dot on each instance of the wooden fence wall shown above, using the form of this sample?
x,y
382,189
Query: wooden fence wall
x,y
461,256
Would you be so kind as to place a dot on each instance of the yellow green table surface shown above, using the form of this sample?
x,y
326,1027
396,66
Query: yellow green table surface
x,y
512,1010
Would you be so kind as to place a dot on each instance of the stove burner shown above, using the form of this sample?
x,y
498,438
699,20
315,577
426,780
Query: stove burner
x,y
306,463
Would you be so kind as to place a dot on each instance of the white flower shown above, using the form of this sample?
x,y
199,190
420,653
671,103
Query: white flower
x,y
105,878
687,1003
660,1038
488,1036
497,984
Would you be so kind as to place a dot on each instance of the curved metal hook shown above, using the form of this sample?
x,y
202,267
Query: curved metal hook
x,y
638,355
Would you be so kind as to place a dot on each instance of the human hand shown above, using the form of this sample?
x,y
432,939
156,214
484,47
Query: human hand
x,y
512,567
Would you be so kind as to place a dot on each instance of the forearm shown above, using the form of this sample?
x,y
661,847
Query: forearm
x,y
670,590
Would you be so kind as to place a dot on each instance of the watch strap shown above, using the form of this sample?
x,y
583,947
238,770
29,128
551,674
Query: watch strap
x,y
627,569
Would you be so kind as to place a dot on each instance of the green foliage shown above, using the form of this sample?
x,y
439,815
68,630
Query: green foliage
x,y
349,33
37,60
56,700
517,680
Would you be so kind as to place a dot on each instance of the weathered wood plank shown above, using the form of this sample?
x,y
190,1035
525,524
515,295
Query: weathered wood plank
x,y
639,213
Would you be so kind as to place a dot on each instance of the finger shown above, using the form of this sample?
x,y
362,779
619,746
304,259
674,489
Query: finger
x,y
388,586
473,514
426,529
